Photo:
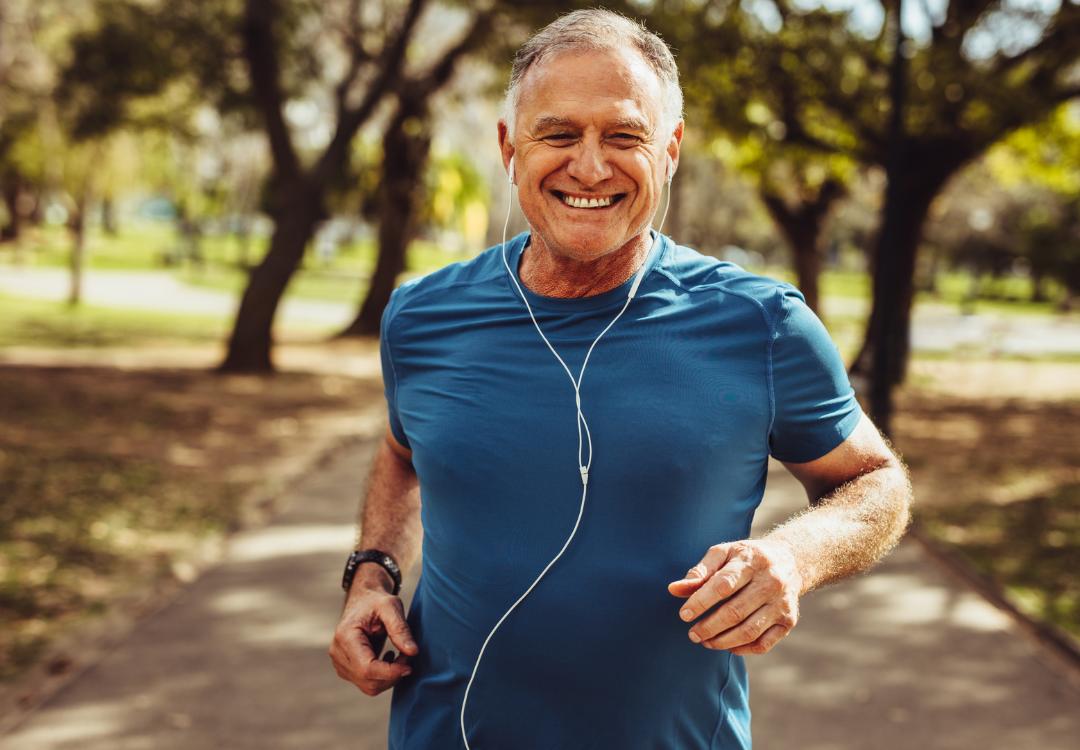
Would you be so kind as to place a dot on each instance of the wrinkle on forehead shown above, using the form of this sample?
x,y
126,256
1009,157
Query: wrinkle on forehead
x,y
628,65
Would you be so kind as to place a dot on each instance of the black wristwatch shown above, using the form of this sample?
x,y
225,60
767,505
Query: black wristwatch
x,y
375,556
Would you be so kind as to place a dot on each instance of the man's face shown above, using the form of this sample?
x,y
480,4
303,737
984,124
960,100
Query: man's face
x,y
590,127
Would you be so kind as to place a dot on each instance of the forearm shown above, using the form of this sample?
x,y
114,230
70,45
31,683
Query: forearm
x,y
390,518
849,528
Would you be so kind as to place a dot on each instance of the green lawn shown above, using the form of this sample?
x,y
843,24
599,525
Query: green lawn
x,y
58,325
1030,549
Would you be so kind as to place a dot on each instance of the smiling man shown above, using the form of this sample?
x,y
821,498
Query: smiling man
x,y
556,511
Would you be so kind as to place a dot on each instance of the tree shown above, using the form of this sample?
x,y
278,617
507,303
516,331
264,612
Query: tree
x,y
407,142
799,188
406,145
1040,164
983,69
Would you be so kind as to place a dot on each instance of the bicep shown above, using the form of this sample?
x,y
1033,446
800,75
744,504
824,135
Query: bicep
x,y
862,452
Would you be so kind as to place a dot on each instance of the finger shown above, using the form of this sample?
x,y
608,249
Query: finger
x,y
714,559
357,661
765,641
723,584
375,676
747,631
733,611
392,615
382,670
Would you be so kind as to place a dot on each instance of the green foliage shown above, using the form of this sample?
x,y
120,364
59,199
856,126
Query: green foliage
x,y
456,198
820,84
149,64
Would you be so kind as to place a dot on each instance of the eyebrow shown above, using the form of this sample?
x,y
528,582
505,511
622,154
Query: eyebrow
x,y
553,121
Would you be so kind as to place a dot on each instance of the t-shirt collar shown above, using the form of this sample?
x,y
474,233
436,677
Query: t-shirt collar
x,y
516,247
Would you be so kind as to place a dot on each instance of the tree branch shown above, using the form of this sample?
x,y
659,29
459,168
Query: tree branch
x,y
358,56
438,76
265,70
350,120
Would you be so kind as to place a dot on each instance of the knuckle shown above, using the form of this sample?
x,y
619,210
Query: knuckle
x,y
733,612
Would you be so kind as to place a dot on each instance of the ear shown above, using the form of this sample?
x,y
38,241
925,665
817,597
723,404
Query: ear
x,y
506,146
673,150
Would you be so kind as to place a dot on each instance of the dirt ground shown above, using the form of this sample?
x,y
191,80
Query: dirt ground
x,y
990,431
994,451
116,480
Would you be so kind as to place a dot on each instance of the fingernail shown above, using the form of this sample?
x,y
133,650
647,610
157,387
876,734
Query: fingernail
x,y
686,614
410,644
406,673
695,637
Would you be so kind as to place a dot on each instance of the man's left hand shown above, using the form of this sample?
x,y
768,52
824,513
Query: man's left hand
x,y
759,580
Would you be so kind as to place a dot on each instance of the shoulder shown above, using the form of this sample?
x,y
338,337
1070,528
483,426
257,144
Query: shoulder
x,y
699,274
455,279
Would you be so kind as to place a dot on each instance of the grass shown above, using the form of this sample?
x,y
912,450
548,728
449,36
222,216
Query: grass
x,y
998,481
1029,548
58,325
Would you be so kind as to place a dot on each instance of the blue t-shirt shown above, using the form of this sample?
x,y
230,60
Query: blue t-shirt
x,y
710,370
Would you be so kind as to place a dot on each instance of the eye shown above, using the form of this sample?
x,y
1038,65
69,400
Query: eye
x,y
625,139
559,139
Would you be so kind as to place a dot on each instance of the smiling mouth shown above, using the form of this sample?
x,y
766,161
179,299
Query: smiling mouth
x,y
602,202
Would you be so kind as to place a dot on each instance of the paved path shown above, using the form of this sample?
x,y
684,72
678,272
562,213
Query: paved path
x,y
935,328
162,291
903,658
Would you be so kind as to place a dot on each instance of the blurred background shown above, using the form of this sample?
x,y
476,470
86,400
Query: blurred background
x,y
198,194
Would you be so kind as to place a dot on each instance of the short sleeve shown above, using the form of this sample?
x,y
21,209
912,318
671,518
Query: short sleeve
x,y
388,371
814,405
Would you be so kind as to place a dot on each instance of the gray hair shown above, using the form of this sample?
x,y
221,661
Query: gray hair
x,y
591,31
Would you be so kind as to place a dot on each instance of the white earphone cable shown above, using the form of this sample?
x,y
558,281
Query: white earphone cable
x,y
583,467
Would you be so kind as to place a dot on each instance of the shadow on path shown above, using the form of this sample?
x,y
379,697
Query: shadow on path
x,y
902,658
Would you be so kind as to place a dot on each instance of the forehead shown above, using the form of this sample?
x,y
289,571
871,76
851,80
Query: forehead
x,y
590,87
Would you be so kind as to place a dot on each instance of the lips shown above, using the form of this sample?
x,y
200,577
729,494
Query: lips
x,y
589,202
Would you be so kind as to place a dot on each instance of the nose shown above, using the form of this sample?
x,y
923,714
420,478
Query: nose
x,y
588,166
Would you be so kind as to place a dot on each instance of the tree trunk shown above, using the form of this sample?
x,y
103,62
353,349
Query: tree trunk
x,y
108,216
404,159
801,227
78,255
904,214
12,189
252,336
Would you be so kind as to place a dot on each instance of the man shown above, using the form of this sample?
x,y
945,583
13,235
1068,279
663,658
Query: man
x,y
707,372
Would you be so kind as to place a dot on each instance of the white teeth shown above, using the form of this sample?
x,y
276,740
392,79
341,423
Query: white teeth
x,y
586,202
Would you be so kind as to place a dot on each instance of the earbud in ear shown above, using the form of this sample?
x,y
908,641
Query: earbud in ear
x,y
511,170
670,171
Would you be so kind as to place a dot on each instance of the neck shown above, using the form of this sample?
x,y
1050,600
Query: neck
x,y
550,273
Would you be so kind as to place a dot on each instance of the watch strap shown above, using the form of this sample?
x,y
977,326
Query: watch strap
x,y
361,556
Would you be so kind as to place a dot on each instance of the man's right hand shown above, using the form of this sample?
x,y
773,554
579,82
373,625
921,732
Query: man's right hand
x,y
372,613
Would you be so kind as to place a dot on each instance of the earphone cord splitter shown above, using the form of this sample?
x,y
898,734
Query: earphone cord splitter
x,y
584,438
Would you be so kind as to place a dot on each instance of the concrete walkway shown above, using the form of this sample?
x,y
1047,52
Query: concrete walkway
x,y
902,658
162,291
